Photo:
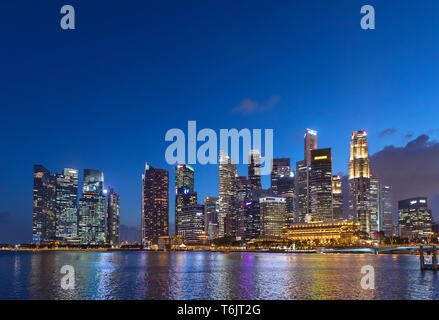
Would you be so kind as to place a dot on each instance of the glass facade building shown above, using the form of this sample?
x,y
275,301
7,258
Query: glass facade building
x,y
113,218
155,204
320,185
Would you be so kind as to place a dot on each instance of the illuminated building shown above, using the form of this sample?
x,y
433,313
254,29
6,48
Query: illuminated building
x,y
44,196
272,216
386,210
301,190
337,198
328,232
359,180
302,202
414,218
237,224
184,191
183,198
155,204
113,218
66,206
92,209
191,228
374,204
227,173
254,169
283,184
211,209
320,185
310,144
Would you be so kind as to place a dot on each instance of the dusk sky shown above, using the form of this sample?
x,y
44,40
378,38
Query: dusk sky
x,y
102,96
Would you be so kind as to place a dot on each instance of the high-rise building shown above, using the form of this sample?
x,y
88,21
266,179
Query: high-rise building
x,y
253,213
374,204
184,191
283,184
182,200
211,210
301,190
67,206
227,191
414,218
44,216
254,169
191,227
386,210
155,204
238,223
272,216
92,209
310,144
113,218
359,180
320,185
337,197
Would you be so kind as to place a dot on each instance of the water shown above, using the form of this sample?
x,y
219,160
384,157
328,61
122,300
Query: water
x,y
206,275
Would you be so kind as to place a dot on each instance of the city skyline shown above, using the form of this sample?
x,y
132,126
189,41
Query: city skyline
x,y
274,69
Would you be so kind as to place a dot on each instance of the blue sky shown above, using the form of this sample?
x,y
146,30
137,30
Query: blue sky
x,y
103,96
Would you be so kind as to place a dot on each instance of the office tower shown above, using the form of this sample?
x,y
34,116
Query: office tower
x,y
236,226
359,180
386,210
184,191
92,209
155,204
337,197
182,200
320,185
272,216
414,218
254,169
44,196
227,173
191,227
67,206
374,204
113,218
283,184
301,190
310,144
211,209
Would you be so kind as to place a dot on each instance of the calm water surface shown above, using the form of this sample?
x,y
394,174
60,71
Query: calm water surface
x,y
205,275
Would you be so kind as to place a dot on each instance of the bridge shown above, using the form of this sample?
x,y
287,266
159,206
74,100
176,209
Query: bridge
x,y
374,250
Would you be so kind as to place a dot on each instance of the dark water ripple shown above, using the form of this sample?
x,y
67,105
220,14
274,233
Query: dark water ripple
x,y
205,275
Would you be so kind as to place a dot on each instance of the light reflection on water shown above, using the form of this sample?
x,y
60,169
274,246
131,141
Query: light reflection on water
x,y
208,275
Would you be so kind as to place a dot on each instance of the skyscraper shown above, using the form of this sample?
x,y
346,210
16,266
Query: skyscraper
x,y
374,204
310,144
337,197
386,210
301,190
67,206
272,216
92,209
359,180
155,204
237,224
211,209
227,190
414,218
192,223
184,191
320,185
44,196
283,184
254,169
113,218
